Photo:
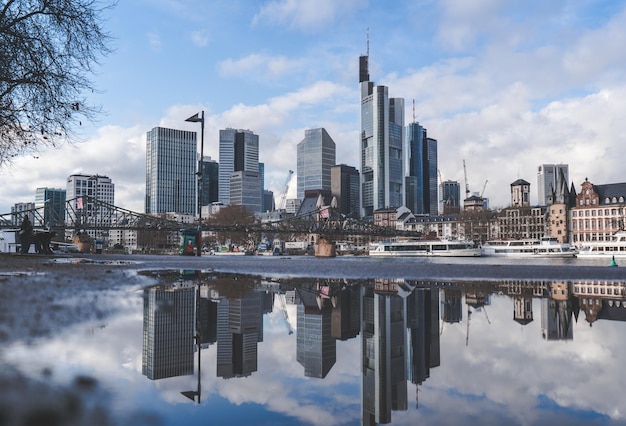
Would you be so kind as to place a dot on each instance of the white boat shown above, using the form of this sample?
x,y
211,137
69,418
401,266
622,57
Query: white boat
x,y
436,248
616,246
529,248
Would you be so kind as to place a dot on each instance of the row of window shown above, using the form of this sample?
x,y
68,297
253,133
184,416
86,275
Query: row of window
x,y
599,212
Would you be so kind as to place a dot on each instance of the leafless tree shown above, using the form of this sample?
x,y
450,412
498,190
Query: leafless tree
x,y
48,50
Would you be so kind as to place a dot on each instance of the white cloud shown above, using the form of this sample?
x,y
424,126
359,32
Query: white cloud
x,y
154,41
307,15
200,38
260,66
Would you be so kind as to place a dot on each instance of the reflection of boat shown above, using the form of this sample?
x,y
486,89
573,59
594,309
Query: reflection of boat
x,y
616,246
545,247
439,248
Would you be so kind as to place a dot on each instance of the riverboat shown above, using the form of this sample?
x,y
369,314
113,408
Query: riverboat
x,y
616,246
435,248
530,248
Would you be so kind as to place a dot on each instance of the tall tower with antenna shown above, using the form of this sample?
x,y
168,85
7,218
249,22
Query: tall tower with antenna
x,y
382,142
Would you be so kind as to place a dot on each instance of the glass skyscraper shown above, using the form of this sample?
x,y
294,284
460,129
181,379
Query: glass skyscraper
x,y
315,157
239,152
382,140
171,160
421,190
547,175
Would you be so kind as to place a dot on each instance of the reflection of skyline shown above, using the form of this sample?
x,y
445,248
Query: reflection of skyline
x,y
399,322
383,351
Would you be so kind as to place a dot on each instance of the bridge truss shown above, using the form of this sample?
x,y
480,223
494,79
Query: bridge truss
x,y
89,215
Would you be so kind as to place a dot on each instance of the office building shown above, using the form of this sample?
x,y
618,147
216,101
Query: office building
x,y
208,184
315,157
547,176
382,140
171,167
450,197
19,210
344,185
85,193
239,152
421,192
50,202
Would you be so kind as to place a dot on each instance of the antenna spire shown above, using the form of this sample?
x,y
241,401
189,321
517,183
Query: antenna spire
x,y
413,110
368,41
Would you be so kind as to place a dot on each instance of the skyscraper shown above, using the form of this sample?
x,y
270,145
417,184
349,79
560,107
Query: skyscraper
x,y
52,201
82,190
547,175
421,181
451,197
209,191
344,183
171,159
382,137
239,152
315,157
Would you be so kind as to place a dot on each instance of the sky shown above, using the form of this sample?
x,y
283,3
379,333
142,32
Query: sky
x,y
503,85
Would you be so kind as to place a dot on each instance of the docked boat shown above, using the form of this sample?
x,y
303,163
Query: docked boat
x,y
616,246
412,248
529,248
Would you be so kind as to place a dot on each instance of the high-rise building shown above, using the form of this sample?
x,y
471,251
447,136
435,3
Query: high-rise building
x,y
547,176
344,184
84,191
208,189
520,193
421,190
450,197
382,137
315,156
239,152
171,161
51,202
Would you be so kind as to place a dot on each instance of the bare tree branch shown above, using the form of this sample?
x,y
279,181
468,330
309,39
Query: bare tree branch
x,y
48,49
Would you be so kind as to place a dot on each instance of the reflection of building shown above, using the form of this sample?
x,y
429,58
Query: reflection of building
x,y
423,324
168,329
239,323
557,312
452,306
601,300
383,341
346,316
316,348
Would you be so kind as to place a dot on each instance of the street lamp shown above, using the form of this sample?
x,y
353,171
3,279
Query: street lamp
x,y
195,119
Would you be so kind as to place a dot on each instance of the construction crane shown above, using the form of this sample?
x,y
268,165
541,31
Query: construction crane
x,y
283,197
484,186
467,191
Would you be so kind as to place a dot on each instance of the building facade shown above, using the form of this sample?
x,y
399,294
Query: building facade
x,y
421,192
316,155
450,197
344,183
83,192
547,176
382,141
171,161
598,212
208,184
239,152
52,202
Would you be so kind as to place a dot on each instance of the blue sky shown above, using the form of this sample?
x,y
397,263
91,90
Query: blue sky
x,y
503,85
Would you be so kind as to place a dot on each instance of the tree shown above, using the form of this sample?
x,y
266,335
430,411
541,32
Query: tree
x,y
48,49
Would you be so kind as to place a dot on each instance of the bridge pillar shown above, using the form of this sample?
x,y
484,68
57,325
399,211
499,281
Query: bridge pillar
x,y
325,248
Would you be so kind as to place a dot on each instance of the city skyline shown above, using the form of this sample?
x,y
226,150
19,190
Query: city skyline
x,y
503,87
